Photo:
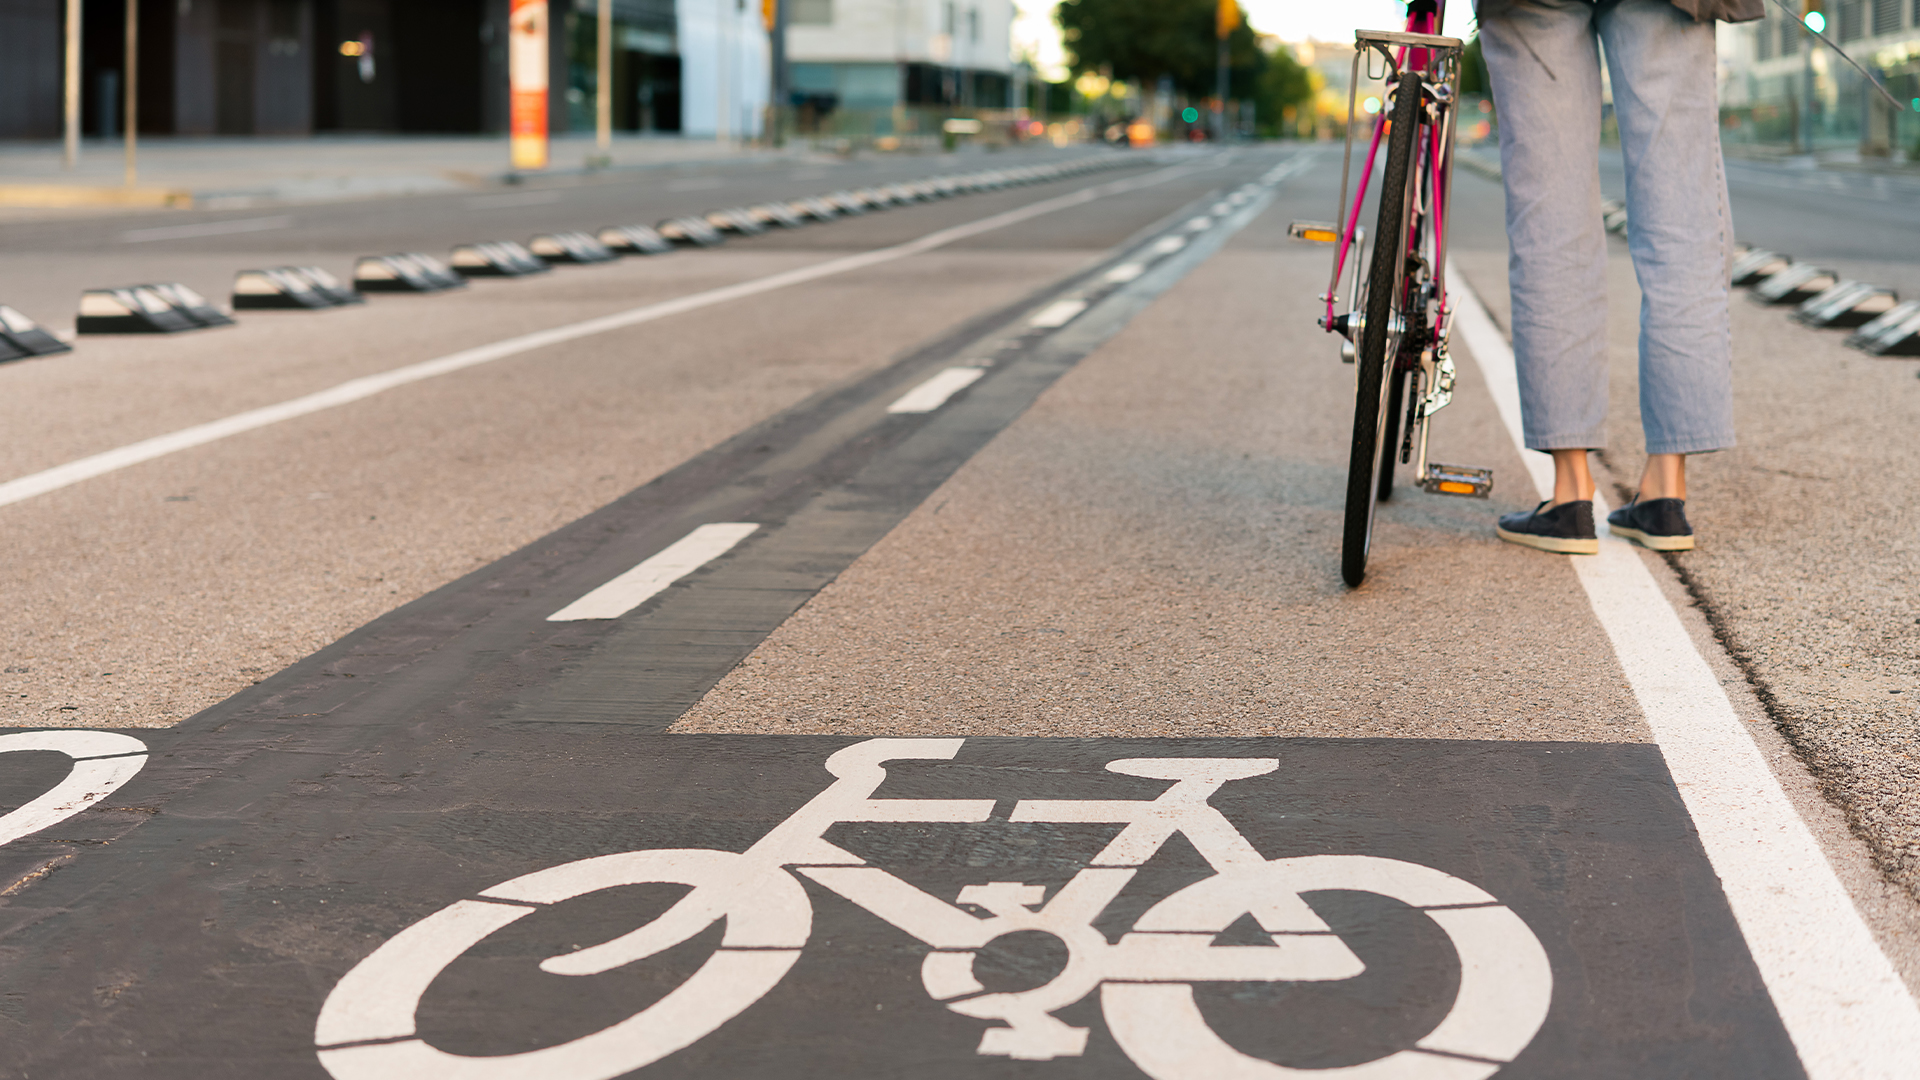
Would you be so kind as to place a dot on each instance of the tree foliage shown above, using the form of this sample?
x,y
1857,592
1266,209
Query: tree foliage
x,y
1139,41
1285,83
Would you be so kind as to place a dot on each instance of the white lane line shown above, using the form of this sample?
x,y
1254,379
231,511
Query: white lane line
x,y
1057,314
1124,273
934,393
73,472
206,228
677,560
1843,1004
1167,245
1199,224
523,198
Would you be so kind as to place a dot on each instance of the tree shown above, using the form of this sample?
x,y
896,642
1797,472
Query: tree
x,y
1285,84
1139,41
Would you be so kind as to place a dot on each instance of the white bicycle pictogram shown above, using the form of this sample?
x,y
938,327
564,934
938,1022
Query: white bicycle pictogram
x,y
366,1028
102,761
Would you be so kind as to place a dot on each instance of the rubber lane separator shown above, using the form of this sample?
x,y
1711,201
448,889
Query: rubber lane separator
x,y
73,472
1124,273
1843,1004
936,391
655,573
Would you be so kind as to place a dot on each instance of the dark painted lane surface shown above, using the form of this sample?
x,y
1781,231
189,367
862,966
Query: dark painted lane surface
x,y
283,853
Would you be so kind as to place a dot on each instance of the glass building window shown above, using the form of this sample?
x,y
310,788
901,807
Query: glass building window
x,y
811,13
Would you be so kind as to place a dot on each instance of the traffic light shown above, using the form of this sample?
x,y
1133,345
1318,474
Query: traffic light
x,y
1814,14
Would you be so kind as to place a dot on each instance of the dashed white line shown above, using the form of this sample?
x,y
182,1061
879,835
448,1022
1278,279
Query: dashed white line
x,y
1057,314
523,198
73,472
1124,273
934,393
1167,245
206,228
1199,224
1844,1006
636,586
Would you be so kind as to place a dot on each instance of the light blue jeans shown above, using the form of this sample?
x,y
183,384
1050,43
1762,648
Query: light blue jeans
x,y
1543,59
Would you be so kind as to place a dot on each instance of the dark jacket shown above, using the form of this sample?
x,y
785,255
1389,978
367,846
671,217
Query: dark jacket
x,y
1701,10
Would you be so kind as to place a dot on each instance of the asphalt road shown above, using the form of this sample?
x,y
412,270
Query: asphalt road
x,y
411,672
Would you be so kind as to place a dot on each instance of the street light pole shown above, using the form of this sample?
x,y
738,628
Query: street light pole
x,y
133,86
603,90
72,116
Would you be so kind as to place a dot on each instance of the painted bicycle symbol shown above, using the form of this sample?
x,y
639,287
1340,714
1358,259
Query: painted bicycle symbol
x,y
102,761
366,1029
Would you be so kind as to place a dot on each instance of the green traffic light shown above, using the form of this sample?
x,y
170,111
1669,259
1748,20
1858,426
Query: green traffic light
x,y
1816,22
1189,114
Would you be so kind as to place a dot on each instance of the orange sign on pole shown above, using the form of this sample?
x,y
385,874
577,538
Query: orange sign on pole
x,y
527,82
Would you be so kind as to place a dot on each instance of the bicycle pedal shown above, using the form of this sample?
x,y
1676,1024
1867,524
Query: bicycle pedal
x,y
1320,232
1458,480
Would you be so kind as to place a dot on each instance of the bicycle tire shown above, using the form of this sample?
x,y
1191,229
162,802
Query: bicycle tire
x,y
1377,342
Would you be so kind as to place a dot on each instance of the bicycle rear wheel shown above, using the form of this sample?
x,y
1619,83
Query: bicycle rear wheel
x,y
1380,341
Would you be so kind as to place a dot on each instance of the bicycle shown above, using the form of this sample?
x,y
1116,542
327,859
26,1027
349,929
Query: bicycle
x,y
1397,327
366,1028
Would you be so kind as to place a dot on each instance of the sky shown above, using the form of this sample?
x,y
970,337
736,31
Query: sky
x,y
1289,20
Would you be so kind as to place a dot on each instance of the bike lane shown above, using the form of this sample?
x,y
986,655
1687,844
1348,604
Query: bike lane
x,y
1140,567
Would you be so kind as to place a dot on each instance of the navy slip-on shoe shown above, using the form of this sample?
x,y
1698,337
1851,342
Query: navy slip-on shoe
x,y
1567,528
1660,524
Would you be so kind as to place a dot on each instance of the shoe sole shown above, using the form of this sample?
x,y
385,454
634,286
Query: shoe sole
x,y
1559,545
1655,543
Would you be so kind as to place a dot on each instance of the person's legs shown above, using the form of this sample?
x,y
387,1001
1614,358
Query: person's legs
x,y
1680,231
1543,62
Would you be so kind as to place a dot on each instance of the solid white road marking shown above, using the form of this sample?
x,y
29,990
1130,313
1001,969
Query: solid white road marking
x,y
1843,1004
1057,314
677,560
209,228
1124,273
73,472
934,393
1167,245
102,761
523,198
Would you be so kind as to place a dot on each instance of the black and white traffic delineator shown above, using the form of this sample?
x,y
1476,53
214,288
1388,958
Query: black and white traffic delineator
x,y
192,304
570,247
495,258
773,213
874,198
324,283
1757,266
634,240
136,309
847,202
407,272
734,220
690,230
26,337
1613,215
947,186
901,193
282,287
1795,285
814,207
1897,333
1847,305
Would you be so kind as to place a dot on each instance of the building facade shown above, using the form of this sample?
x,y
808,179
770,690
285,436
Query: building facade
x,y
296,67
1780,87
879,65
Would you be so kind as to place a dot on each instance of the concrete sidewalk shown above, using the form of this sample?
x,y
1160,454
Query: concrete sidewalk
x,y
240,172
